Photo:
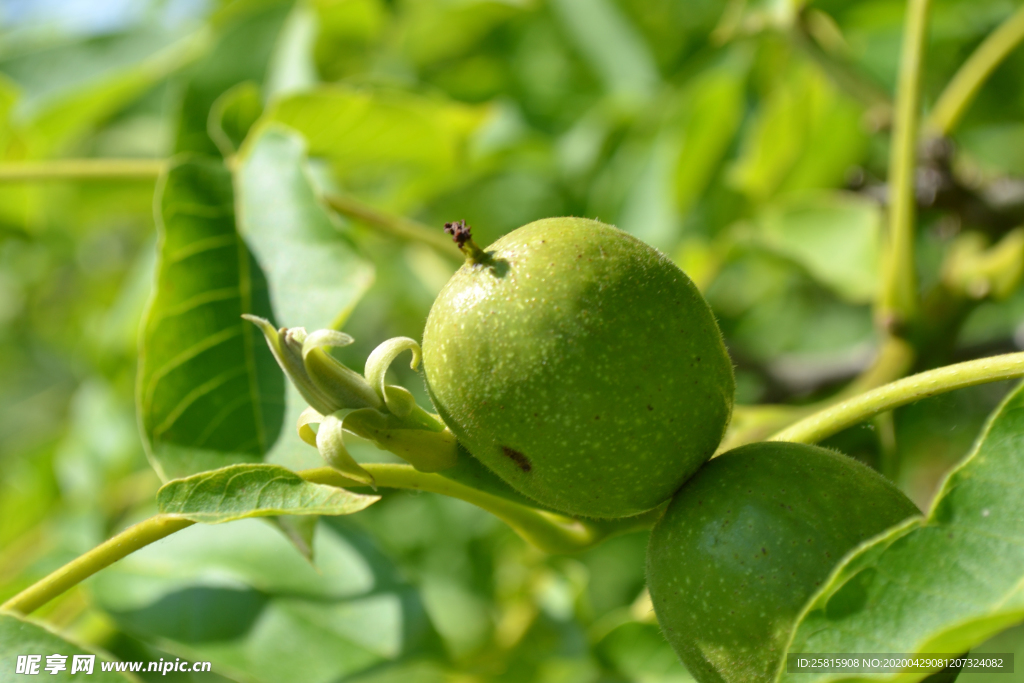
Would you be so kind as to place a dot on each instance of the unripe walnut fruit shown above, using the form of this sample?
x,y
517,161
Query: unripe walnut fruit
x,y
581,365
748,540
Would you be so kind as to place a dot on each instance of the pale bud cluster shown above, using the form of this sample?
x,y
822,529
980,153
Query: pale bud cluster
x,y
343,401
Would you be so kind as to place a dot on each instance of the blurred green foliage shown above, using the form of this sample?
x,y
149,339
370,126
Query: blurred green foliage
x,y
746,139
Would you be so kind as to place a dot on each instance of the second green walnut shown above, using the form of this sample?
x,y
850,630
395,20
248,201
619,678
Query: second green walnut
x,y
579,364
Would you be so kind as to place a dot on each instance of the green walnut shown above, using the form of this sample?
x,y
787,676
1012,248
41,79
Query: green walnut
x,y
748,540
580,365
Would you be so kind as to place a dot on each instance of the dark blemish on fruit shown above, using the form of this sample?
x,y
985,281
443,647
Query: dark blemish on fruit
x,y
521,461
763,551
649,407
597,417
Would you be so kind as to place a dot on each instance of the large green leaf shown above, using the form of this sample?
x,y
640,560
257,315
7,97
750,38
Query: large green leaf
x,y
709,125
233,114
639,652
19,636
291,68
612,47
835,236
742,17
685,155
395,143
242,491
237,595
805,134
67,89
209,391
938,584
246,33
316,274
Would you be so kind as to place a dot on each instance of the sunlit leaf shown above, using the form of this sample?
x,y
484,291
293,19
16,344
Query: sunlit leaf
x,y
233,114
614,48
752,16
291,68
772,311
316,273
242,491
299,529
835,236
209,392
639,652
714,112
67,89
464,24
805,134
20,637
649,211
239,596
101,444
942,583
245,37
404,142
347,31
683,158
992,146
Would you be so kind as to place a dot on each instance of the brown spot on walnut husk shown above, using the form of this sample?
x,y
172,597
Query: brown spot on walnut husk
x,y
521,461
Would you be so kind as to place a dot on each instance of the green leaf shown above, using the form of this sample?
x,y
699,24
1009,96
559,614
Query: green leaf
x,y
991,146
291,68
233,114
942,583
209,392
835,236
242,491
684,157
639,652
805,134
237,595
770,310
19,636
316,274
744,17
612,46
299,529
709,127
68,89
391,142
246,35
347,33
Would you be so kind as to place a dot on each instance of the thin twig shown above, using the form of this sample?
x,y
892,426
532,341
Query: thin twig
x,y
396,226
81,169
100,557
835,419
553,533
898,302
965,84
548,531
